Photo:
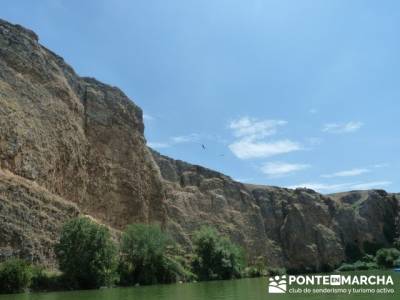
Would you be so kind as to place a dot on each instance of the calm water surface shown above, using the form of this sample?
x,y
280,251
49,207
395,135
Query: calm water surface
x,y
243,289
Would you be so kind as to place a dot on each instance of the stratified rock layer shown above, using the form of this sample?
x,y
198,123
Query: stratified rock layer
x,y
71,145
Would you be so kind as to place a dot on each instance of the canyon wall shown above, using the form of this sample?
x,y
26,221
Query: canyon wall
x,y
72,145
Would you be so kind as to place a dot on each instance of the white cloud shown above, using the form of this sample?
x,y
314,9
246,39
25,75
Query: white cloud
x,y
246,149
348,127
313,111
277,169
250,133
156,145
181,139
330,188
347,173
253,129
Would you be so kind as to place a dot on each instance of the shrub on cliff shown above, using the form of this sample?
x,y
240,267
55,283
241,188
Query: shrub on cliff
x,y
86,254
149,256
216,257
387,257
15,276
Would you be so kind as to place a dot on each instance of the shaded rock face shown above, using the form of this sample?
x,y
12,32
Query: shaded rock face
x,y
198,196
299,229
71,145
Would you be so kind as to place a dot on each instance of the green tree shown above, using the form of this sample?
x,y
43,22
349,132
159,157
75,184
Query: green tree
x,y
387,257
86,254
149,256
15,276
216,257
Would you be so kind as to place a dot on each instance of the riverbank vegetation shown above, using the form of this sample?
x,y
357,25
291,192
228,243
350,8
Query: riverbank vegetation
x,y
385,258
89,256
216,257
150,256
86,254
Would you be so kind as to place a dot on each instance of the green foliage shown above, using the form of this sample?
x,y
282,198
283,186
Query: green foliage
x,y
149,256
15,276
43,280
251,272
216,257
367,262
346,268
86,254
358,266
256,269
276,271
368,258
387,257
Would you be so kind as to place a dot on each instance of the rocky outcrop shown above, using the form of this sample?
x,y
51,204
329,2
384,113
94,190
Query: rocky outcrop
x,y
79,138
299,229
71,145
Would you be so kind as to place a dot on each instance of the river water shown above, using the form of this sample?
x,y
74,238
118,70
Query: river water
x,y
243,289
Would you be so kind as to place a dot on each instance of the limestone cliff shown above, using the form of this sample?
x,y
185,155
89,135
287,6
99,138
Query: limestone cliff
x,y
299,229
71,145
79,138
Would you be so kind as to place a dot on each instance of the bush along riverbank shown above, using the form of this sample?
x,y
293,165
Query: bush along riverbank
x,y
385,258
89,258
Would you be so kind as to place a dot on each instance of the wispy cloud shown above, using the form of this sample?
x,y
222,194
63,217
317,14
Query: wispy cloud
x,y
330,188
347,173
250,134
246,149
313,111
279,169
251,128
175,140
348,127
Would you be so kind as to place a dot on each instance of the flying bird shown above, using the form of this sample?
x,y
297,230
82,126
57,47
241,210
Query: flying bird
x,y
202,146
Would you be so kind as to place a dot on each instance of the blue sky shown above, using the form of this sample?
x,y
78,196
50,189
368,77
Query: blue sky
x,y
287,93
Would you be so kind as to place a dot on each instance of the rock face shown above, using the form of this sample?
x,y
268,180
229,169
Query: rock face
x,y
71,145
30,218
79,138
299,229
